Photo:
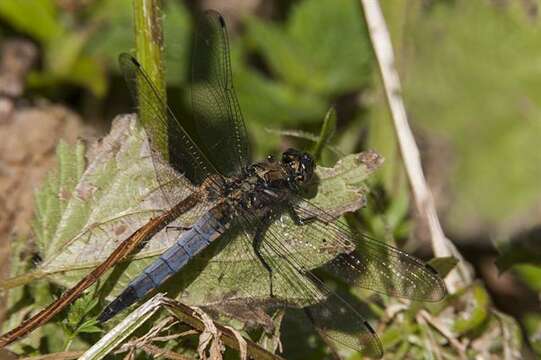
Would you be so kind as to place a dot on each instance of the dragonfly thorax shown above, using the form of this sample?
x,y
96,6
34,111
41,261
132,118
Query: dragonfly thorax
x,y
270,182
299,167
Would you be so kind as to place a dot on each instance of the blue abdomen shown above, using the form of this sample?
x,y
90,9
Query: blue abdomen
x,y
189,244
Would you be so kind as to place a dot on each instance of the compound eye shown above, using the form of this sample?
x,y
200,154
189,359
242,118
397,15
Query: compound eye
x,y
287,159
307,159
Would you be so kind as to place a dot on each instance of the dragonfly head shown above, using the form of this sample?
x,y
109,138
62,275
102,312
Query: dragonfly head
x,y
299,167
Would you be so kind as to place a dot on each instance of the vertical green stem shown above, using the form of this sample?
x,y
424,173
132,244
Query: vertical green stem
x,y
149,50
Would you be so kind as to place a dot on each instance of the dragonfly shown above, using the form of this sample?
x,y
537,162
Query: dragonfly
x,y
246,198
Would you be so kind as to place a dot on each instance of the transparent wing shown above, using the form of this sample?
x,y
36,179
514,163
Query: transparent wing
x,y
217,116
184,155
295,252
372,264
295,284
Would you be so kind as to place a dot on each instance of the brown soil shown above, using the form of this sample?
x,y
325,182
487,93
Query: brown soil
x,y
28,138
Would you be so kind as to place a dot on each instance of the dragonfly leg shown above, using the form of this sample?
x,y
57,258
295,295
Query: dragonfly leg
x,y
177,228
298,220
256,244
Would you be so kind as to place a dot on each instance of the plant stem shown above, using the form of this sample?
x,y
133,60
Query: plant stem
x,y
381,43
149,49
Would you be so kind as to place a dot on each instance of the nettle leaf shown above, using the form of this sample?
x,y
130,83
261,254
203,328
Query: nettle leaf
x,y
485,110
80,309
118,193
51,200
309,51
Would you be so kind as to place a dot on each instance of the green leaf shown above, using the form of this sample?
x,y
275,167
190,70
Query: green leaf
x,y
476,316
177,28
81,308
309,51
35,18
87,72
443,265
532,323
327,131
529,274
90,326
62,53
115,32
52,198
265,101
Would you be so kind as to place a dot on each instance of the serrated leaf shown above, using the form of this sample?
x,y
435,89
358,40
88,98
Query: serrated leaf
x,y
51,199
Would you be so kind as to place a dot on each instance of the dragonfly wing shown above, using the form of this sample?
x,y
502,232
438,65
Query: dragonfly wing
x,y
216,111
371,264
295,284
184,155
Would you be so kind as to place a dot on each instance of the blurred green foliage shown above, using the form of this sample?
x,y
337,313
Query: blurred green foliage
x,y
473,84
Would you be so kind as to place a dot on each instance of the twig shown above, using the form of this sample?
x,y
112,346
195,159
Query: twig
x,y
436,324
157,352
429,339
424,201
188,315
66,355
